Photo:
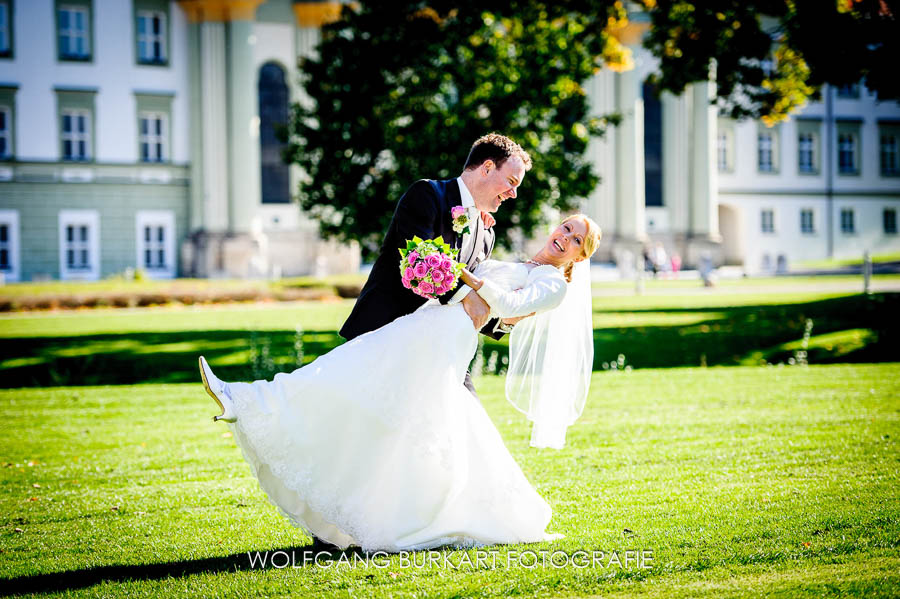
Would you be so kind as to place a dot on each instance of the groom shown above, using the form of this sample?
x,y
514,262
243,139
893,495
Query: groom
x,y
493,171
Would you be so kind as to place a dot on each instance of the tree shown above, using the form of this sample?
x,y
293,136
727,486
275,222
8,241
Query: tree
x,y
401,89
855,39
771,56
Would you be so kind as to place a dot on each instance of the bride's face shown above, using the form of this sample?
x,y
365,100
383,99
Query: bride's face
x,y
566,243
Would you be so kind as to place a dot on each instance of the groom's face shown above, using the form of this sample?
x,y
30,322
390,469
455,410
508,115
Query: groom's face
x,y
499,184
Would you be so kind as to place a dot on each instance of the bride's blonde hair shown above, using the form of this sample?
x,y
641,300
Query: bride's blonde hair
x,y
591,240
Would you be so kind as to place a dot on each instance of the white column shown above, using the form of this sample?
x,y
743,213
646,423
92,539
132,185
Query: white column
x,y
601,204
704,219
213,126
306,40
630,220
243,131
198,202
676,116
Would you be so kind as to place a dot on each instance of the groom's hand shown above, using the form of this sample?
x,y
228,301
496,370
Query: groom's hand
x,y
477,309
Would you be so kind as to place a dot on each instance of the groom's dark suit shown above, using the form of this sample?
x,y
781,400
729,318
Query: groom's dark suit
x,y
424,210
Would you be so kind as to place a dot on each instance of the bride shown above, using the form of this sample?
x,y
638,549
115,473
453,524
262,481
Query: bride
x,y
378,443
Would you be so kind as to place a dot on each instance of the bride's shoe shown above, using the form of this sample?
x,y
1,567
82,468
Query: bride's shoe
x,y
216,390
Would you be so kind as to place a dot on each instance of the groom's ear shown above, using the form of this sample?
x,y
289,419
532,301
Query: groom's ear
x,y
487,166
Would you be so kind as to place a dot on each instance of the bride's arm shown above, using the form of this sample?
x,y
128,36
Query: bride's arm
x,y
471,280
544,291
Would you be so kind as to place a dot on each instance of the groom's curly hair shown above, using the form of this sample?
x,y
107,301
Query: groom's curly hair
x,y
498,148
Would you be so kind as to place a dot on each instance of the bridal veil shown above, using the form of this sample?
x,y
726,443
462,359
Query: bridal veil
x,y
551,356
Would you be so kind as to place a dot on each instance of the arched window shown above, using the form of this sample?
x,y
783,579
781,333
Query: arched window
x,y
652,146
273,116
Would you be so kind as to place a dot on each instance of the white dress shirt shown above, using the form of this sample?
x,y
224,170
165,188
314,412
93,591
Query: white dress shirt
x,y
465,195
476,226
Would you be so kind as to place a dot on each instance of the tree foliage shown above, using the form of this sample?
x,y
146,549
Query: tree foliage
x,y
401,89
771,56
856,39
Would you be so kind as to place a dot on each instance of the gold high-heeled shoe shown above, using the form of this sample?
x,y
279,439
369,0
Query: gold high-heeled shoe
x,y
216,390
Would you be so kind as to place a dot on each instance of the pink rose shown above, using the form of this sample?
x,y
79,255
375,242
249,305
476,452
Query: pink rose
x,y
406,283
443,288
433,261
409,273
425,287
446,263
421,269
451,280
412,257
457,211
437,276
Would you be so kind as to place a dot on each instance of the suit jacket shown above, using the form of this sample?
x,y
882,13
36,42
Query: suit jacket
x,y
424,210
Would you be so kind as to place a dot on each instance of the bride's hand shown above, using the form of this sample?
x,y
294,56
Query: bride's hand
x,y
477,309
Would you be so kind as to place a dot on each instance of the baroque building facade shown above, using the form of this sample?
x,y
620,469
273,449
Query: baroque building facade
x,y
823,184
141,134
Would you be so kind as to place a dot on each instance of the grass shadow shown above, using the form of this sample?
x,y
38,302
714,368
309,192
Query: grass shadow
x,y
861,328
759,334
79,579
159,357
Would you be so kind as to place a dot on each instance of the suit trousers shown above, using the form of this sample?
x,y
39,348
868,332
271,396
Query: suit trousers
x,y
469,385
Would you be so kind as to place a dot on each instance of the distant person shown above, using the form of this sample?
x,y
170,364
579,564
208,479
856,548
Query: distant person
x,y
659,258
649,266
706,269
676,264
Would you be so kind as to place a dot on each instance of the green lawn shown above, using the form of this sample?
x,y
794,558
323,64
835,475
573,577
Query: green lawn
x,y
743,478
854,261
172,286
742,481
118,291
117,285
744,283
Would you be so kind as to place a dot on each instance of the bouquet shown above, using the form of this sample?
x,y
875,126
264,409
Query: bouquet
x,y
429,267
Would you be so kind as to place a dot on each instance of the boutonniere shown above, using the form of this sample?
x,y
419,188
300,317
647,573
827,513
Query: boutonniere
x,y
460,217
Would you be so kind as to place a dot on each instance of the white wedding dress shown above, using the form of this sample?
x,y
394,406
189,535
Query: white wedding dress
x,y
378,444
